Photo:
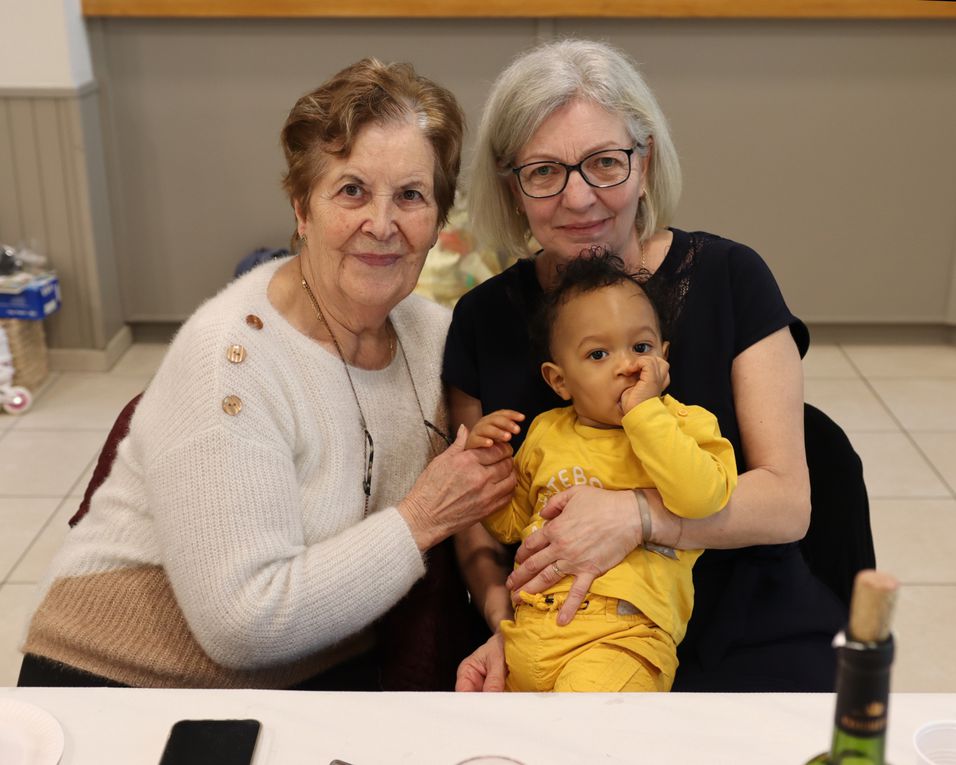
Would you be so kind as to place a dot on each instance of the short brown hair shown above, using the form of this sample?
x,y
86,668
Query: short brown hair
x,y
327,121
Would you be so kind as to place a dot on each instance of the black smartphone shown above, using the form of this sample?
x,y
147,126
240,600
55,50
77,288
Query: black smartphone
x,y
211,742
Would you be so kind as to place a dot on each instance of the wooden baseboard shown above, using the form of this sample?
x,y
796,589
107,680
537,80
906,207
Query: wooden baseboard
x,y
92,359
882,334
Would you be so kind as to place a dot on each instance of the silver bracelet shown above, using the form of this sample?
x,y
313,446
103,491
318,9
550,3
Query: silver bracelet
x,y
647,529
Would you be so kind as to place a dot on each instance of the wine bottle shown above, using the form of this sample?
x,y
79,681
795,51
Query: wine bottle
x,y
864,656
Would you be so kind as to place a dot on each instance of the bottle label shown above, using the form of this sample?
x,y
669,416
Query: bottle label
x,y
870,722
863,689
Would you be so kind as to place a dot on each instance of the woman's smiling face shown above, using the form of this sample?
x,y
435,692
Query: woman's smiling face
x,y
372,216
582,216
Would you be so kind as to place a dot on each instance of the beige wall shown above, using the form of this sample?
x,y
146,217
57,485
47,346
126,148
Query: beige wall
x,y
826,145
44,45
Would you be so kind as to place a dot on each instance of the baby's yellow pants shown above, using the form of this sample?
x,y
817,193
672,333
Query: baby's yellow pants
x,y
601,650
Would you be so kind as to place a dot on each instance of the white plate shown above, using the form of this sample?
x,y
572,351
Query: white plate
x,y
28,735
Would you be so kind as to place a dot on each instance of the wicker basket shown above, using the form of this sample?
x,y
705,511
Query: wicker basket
x,y
28,348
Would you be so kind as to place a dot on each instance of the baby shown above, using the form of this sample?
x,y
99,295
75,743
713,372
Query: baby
x,y
608,358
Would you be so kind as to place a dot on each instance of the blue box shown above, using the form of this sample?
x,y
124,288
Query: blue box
x,y
37,300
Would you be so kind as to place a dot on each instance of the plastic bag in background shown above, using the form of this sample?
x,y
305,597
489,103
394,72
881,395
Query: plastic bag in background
x,y
9,263
257,256
19,265
31,260
15,260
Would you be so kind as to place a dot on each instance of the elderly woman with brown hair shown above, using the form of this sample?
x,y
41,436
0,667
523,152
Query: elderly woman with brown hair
x,y
574,152
285,474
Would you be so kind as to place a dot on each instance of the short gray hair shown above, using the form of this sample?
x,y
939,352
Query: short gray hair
x,y
526,93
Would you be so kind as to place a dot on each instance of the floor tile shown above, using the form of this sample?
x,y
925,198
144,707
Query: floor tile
x,y
827,361
894,468
33,564
46,463
82,400
850,403
914,539
141,360
920,404
8,421
79,487
940,449
17,603
22,519
923,627
903,360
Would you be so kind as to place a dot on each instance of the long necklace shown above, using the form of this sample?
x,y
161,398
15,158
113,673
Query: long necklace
x,y
429,426
368,445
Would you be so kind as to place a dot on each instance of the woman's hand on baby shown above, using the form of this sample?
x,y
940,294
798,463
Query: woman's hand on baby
x,y
653,379
589,531
457,489
495,428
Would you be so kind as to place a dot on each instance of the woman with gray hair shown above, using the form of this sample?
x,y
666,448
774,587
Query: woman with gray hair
x,y
574,152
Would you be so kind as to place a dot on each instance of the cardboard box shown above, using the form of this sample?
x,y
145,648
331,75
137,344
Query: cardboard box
x,y
36,300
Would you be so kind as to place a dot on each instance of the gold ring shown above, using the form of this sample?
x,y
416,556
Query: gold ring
x,y
557,570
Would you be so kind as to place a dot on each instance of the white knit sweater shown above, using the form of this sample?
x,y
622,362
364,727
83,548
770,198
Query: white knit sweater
x,y
255,519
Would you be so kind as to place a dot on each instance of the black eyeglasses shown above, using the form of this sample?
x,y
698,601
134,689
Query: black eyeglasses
x,y
441,434
370,454
602,170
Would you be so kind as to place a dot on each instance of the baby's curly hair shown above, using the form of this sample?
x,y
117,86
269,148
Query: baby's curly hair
x,y
594,269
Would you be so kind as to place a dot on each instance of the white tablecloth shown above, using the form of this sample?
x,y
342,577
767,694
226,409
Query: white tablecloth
x,y
129,727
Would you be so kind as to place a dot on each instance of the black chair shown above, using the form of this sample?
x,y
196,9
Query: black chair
x,y
839,542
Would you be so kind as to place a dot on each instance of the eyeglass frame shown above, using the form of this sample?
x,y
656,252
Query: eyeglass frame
x,y
568,169
369,449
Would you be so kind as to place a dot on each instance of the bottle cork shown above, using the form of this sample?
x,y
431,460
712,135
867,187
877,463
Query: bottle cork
x,y
871,606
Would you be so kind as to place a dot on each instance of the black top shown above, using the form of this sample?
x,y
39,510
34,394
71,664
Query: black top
x,y
761,620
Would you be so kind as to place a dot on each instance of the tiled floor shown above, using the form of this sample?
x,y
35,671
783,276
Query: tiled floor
x,y
898,404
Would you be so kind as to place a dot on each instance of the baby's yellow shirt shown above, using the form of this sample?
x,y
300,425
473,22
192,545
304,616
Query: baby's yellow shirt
x,y
663,444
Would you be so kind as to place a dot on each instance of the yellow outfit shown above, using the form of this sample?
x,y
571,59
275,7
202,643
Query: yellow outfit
x,y
637,612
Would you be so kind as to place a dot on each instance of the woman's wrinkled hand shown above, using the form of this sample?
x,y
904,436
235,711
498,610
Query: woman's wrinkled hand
x,y
457,489
485,669
589,531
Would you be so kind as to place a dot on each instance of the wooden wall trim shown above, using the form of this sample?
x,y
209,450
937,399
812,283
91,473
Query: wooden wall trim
x,y
782,9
